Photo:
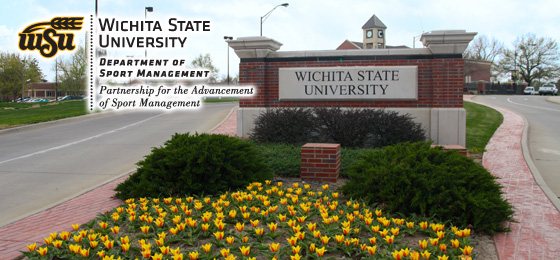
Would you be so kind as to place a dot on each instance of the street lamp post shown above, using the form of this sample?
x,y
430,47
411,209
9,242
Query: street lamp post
x,y
228,38
146,10
264,17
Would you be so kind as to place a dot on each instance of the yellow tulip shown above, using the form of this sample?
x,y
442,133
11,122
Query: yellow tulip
x,y
42,251
32,247
434,241
426,254
239,226
192,255
115,229
145,229
423,244
444,257
274,247
64,235
312,247
325,240
219,235
224,252
296,249
164,250
371,249
207,247
397,255
58,243
157,257
339,238
125,247
467,250
390,239
84,253
245,250
109,244
272,226
320,251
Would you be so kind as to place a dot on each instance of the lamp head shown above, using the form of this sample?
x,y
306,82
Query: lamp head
x,y
149,9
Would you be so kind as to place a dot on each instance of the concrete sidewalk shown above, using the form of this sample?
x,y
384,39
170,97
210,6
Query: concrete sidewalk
x,y
536,234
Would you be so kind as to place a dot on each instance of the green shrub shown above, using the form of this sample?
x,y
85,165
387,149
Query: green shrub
x,y
352,128
349,127
195,164
285,159
414,178
284,125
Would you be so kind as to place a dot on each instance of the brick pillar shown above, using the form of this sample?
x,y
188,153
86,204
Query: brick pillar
x,y
320,162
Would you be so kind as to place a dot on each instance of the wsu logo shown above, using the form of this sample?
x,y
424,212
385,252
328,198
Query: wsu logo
x,y
50,41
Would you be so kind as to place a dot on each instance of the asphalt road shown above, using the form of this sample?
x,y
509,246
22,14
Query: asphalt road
x,y
543,135
43,165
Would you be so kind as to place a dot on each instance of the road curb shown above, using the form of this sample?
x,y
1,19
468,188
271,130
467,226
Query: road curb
x,y
54,122
536,174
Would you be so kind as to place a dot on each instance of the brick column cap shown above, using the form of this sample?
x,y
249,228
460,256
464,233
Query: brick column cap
x,y
447,41
320,145
254,47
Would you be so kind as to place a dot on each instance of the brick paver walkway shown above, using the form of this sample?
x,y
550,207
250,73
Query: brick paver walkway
x,y
536,236
15,236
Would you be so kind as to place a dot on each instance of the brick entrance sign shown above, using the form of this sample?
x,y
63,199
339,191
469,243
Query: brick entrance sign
x,y
426,83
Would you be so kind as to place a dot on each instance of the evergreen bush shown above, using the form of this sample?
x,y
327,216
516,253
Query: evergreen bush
x,y
351,128
195,165
284,125
414,178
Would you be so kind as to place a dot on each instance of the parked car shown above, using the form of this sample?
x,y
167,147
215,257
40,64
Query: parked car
x,y
69,98
547,89
528,90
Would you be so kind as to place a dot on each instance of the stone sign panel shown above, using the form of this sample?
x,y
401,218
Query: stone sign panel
x,y
367,83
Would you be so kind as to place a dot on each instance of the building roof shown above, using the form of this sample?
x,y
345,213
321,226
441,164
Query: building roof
x,y
359,44
397,47
374,22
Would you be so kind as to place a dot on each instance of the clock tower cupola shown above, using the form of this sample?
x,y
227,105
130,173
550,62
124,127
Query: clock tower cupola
x,y
374,33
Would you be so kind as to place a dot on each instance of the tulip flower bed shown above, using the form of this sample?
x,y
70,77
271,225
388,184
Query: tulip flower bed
x,y
265,221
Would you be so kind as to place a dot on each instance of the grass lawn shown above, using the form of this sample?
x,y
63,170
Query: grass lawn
x,y
16,114
482,122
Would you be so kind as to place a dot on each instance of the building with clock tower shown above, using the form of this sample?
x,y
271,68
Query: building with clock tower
x,y
374,33
373,37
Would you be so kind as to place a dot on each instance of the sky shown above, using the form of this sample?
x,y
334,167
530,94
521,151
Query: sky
x,y
303,25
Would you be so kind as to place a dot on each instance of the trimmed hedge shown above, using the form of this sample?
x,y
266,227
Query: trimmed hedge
x,y
196,164
414,178
354,128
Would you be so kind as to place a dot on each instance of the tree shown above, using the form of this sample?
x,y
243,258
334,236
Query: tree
x,y
72,72
532,58
15,72
232,79
205,62
482,49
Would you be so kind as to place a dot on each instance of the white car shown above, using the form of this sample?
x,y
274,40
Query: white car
x,y
528,90
548,89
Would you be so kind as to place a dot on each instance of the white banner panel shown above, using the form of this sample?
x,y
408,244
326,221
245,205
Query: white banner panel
x,y
349,83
